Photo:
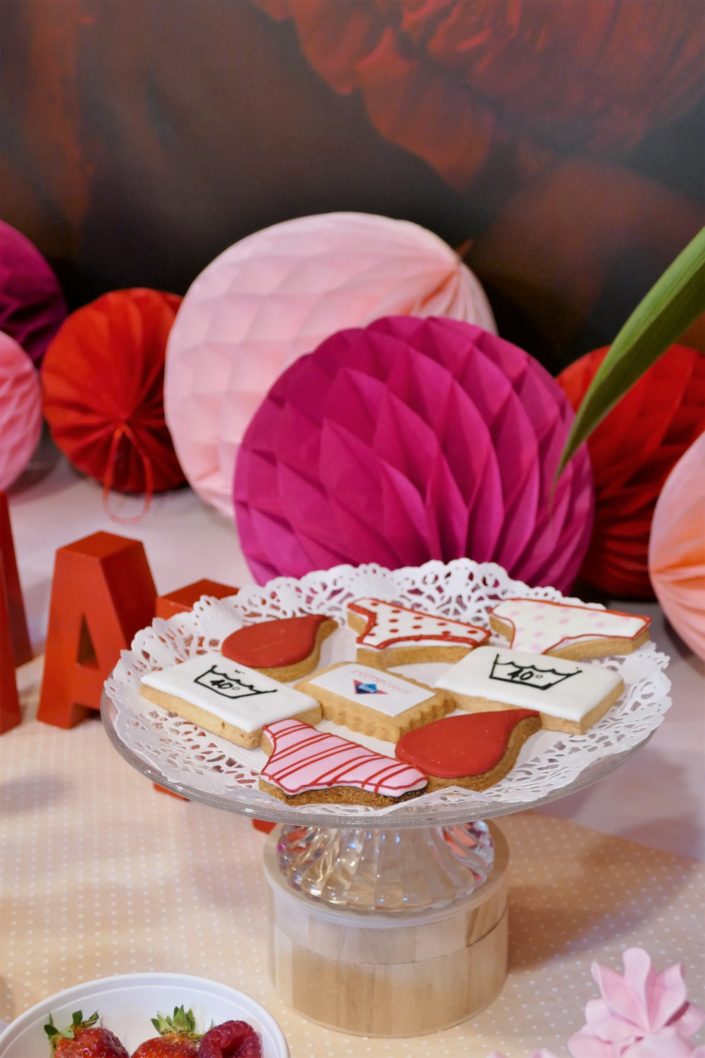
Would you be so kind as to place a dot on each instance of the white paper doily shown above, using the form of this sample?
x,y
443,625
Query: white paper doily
x,y
183,757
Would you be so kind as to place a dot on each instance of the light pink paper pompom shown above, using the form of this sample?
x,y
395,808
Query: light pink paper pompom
x,y
20,410
277,294
677,547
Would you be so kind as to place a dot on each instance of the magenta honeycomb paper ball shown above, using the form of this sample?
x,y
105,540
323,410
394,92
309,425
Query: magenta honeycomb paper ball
x,y
410,440
20,410
277,294
31,303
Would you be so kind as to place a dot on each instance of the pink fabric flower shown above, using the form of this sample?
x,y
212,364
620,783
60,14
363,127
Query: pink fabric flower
x,y
643,1014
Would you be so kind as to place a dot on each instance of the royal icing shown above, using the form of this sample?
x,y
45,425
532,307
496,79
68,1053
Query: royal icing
x,y
389,625
275,644
458,746
555,686
304,758
370,687
539,625
235,694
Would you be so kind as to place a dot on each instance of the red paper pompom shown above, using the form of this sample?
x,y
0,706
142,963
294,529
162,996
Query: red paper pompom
x,y
632,452
103,378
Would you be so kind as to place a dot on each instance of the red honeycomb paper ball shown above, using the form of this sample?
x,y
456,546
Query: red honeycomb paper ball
x,y
103,378
408,440
632,452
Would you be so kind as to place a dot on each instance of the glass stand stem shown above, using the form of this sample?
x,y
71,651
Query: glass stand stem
x,y
363,869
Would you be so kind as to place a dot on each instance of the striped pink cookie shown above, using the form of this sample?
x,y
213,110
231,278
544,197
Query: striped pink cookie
x,y
308,765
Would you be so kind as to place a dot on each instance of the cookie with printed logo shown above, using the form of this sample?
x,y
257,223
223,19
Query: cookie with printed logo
x,y
542,626
372,701
570,697
226,698
309,766
390,634
285,649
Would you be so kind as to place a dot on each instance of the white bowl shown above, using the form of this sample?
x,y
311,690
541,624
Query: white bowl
x,y
127,1002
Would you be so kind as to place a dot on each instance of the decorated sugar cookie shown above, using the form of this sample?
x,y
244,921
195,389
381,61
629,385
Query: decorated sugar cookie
x,y
542,626
570,696
373,701
285,649
396,635
226,698
307,765
475,750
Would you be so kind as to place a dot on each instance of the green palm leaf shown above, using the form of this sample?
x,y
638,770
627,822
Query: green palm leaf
x,y
672,304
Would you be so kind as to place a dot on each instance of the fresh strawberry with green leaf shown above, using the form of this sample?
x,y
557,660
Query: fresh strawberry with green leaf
x,y
83,1039
232,1039
177,1037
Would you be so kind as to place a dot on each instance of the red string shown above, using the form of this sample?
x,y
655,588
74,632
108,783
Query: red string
x,y
123,430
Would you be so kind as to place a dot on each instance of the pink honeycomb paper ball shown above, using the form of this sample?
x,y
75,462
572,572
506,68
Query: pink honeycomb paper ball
x,y
677,547
31,303
411,440
277,294
20,410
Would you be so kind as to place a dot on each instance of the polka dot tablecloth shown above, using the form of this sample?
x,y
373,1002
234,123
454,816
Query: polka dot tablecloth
x,y
100,874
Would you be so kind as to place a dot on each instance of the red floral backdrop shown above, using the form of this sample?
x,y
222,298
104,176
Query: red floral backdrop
x,y
558,143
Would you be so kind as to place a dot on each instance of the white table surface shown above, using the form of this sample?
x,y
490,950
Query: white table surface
x,y
656,798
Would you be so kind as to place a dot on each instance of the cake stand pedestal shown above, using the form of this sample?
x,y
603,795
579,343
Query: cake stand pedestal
x,y
388,932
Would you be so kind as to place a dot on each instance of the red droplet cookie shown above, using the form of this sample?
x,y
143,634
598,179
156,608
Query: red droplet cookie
x,y
475,750
284,649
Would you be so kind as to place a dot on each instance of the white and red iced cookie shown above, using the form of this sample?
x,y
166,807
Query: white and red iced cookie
x,y
285,649
396,635
226,698
307,766
541,626
569,696
475,750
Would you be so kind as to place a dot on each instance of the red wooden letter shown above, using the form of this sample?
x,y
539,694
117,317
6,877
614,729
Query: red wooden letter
x,y
184,598
10,714
101,595
21,646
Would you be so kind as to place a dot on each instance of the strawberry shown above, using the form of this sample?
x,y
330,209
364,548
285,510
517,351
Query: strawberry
x,y
83,1039
177,1037
232,1039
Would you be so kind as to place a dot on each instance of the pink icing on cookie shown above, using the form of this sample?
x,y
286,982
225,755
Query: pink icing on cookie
x,y
540,625
390,625
304,758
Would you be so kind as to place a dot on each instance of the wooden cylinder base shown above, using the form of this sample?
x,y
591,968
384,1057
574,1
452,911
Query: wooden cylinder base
x,y
389,975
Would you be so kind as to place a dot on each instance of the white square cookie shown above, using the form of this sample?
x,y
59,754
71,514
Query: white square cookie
x,y
373,701
570,696
227,698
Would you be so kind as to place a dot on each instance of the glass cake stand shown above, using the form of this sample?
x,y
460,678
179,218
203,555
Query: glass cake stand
x,y
421,853
373,906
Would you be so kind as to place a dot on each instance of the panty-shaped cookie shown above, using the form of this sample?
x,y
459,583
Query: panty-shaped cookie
x,y
285,649
569,696
566,631
307,766
475,750
373,701
395,635
226,698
